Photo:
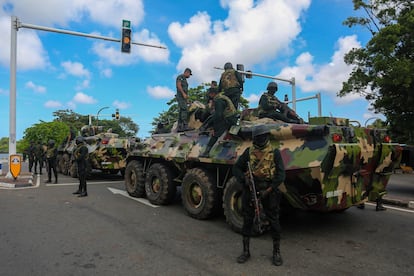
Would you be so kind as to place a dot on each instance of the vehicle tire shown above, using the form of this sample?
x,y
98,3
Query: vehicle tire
x,y
73,171
232,204
159,186
199,194
134,179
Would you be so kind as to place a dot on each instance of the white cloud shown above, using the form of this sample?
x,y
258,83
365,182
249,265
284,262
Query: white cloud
x,y
121,105
76,69
253,98
30,51
107,73
4,92
36,88
160,92
239,37
53,104
82,98
327,77
112,54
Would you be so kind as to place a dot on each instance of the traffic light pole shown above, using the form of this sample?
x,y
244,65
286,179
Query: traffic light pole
x,y
15,26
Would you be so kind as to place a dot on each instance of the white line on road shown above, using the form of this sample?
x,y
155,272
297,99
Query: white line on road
x,y
77,183
125,194
393,208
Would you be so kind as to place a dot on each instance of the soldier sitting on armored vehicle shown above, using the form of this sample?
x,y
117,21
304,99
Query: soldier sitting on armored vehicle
x,y
271,107
224,116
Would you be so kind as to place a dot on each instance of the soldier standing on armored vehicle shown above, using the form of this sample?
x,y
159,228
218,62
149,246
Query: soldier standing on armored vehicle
x,y
223,117
182,99
271,107
268,173
231,83
81,156
51,155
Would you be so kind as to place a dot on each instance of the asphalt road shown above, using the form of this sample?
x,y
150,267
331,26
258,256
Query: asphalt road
x,y
48,231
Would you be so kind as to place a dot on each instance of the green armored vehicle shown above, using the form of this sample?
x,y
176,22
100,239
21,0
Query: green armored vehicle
x,y
107,152
330,165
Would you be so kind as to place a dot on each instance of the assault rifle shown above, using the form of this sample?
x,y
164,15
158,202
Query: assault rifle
x,y
256,202
288,112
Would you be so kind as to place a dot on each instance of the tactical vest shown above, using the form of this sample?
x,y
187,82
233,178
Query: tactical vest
x,y
262,162
229,80
50,153
230,109
272,102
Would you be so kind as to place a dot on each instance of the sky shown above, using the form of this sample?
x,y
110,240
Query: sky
x,y
301,39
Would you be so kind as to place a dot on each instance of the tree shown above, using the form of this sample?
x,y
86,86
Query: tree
x,y
43,132
198,93
383,69
125,127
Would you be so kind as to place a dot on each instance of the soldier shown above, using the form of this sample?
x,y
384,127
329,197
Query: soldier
x,y
271,107
223,117
31,155
51,155
268,173
182,99
231,83
39,154
81,158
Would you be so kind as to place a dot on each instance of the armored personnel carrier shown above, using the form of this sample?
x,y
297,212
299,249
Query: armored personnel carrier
x,y
330,165
107,152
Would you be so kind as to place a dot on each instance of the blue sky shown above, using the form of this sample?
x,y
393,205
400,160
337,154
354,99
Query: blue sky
x,y
303,39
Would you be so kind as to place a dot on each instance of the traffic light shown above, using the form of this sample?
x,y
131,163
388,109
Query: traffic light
x,y
126,40
117,115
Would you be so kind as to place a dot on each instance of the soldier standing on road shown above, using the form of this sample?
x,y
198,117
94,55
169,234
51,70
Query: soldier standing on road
x,y
182,99
223,117
231,83
81,158
39,153
268,173
271,107
51,155
31,155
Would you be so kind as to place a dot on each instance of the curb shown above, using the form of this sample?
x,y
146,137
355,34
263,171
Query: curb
x,y
399,202
20,182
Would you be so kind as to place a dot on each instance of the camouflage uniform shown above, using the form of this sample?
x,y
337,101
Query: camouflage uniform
x,y
31,155
231,83
51,154
268,173
223,118
269,106
182,102
81,159
39,154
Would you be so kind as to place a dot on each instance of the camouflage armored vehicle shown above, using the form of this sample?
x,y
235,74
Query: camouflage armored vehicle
x,y
107,152
330,166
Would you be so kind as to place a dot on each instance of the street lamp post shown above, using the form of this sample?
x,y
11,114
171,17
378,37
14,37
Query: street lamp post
x,y
97,114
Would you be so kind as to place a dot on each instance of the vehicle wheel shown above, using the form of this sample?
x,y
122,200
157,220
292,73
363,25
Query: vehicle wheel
x,y
73,170
232,204
134,179
199,194
159,186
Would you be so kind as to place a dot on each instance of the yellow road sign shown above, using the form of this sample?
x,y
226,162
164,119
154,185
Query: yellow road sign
x,y
15,164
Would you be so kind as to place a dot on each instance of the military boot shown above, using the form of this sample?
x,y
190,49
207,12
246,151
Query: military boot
x,y
277,258
246,251
78,191
379,206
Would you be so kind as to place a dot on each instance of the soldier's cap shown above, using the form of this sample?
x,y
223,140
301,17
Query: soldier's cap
x,y
188,69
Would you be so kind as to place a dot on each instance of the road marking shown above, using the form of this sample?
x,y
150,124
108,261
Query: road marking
x,y
393,208
77,183
125,194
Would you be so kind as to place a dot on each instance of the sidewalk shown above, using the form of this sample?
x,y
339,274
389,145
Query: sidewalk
x,y
25,179
400,190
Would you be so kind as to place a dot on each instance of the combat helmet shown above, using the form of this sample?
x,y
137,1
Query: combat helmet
x,y
272,86
79,140
228,65
51,142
